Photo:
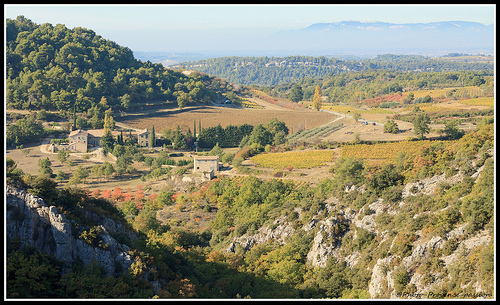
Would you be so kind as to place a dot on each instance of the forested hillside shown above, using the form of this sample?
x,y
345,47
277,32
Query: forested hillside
x,y
362,86
269,71
56,68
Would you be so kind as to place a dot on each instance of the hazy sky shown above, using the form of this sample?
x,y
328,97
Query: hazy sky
x,y
177,22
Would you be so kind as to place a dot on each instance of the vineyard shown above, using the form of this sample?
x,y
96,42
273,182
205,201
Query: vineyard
x,y
461,92
296,159
273,100
387,152
307,135
250,104
480,101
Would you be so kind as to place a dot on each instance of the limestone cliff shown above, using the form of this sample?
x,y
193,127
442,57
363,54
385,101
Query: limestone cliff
x,y
33,223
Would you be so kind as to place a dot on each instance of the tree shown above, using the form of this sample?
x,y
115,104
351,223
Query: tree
x,y
421,124
451,130
98,171
164,198
80,123
109,122
350,171
182,99
296,93
79,174
126,101
386,177
62,156
108,170
356,116
44,166
152,137
107,141
317,98
391,127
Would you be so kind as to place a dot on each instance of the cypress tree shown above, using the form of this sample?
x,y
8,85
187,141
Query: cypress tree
x,y
152,137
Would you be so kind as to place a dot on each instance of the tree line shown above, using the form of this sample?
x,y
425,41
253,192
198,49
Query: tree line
x,y
357,86
271,71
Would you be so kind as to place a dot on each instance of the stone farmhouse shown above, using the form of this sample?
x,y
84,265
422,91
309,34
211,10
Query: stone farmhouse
x,y
207,165
143,138
82,140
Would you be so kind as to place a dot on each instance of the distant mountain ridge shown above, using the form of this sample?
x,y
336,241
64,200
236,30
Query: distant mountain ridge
x,y
373,38
379,25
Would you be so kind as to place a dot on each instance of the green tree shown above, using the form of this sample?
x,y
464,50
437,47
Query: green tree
x,y
296,94
391,127
62,156
349,171
163,199
108,170
27,130
152,137
421,125
44,166
182,99
451,130
107,141
98,171
216,151
384,178
356,116
81,173
126,101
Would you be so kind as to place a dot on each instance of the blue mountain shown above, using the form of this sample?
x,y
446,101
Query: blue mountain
x,y
371,38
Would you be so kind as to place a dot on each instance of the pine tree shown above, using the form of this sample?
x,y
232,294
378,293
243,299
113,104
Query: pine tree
x,y
317,98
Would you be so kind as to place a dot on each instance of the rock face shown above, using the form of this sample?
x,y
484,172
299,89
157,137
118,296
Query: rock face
x,y
282,229
334,224
35,224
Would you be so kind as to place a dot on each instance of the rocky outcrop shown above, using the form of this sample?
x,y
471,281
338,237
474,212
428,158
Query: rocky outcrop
x,y
33,223
278,232
327,239
428,186
382,281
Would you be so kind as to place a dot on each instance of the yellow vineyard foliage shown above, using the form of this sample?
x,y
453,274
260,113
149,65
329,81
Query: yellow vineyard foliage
x,y
387,152
295,159
480,101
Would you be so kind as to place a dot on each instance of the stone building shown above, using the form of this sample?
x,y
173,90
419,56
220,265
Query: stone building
x,y
206,164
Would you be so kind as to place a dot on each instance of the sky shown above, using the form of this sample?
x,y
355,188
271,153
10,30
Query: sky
x,y
147,27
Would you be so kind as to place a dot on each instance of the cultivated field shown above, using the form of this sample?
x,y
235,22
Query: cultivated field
x,y
211,116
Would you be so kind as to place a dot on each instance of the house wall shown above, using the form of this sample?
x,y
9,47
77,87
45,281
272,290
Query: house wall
x,y
77,146
143,140
78,137
206,165
95,141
